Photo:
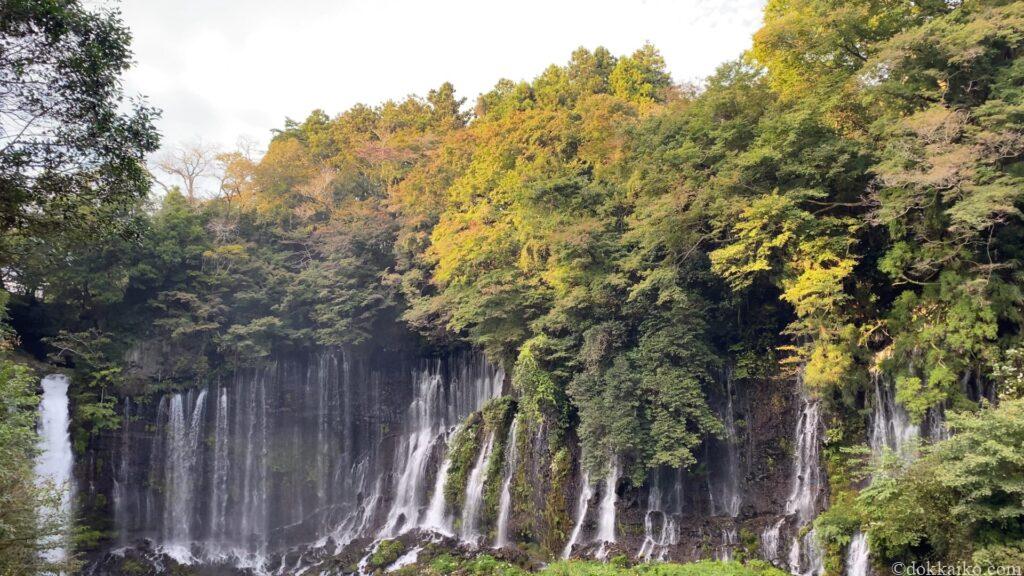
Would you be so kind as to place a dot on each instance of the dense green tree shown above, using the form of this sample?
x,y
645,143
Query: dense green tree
x,y
71,184
959,503
70,157
950,192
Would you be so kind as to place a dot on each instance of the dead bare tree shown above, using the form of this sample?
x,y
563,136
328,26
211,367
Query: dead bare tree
x,y
187,165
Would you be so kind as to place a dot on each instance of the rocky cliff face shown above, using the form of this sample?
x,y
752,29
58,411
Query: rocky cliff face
x,y
313,460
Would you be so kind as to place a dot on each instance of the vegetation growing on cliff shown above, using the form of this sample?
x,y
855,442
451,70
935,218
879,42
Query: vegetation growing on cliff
x,y
462,451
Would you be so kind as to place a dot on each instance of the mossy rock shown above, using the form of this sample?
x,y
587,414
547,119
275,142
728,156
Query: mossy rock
x,y
462,453
387,552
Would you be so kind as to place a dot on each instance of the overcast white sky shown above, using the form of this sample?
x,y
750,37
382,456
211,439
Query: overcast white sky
x,y
221,69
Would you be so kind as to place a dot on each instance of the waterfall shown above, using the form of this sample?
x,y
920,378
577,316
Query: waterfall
x,y
350,483
935,423
653,508
359,519
891,426
732,495
122,478
436,518
436,409
219,486
433,410
183,432
176,473
806,488
291,453
661,529
415,450
730,538
323,412
475,493
857,556
770,541
606,511
505,504
891,429
582,505
54,462
406,559
807,481
252,425
806,553
724,487
794,555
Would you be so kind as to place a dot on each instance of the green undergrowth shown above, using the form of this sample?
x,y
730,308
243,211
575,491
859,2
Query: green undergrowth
x,y
488,566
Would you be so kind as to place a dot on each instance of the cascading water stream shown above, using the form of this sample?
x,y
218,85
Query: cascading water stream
x,y
355,483
891,426
350,485
653,508
433,410
415,451
323,407
806,485
501,539
122,478
54,461
219,485
606,511
857,556
724,487
176,472
292,453
470,531
730,538
582,505
436,518
252,425
661,528
804,555
183,431
770,541
891,429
